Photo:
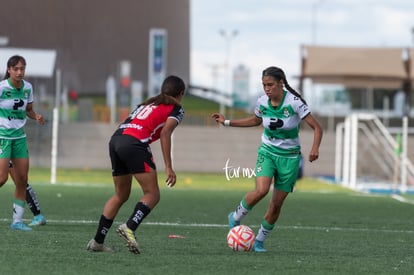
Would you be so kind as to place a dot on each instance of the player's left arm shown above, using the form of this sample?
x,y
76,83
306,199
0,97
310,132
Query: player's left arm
x,y
317,136
165,140
33,115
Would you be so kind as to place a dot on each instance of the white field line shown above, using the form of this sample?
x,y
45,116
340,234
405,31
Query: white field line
x,y
206,225
401,199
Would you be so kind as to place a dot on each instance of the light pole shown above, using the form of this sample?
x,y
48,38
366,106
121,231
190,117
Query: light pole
x,y
215,73
228,36
410,81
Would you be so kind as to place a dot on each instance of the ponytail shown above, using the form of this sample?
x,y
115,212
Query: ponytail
x,y
161,99
279,74
171,88
293,91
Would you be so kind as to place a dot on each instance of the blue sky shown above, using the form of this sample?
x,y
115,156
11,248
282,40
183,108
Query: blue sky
x,y
270,32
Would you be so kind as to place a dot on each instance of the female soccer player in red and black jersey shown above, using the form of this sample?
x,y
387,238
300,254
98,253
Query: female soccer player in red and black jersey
x,y
131,156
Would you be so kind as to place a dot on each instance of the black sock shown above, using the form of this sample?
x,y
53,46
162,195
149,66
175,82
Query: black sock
x,y
103,228
140,212
32,201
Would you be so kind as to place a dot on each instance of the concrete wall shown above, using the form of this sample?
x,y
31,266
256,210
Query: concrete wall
x,y
195,148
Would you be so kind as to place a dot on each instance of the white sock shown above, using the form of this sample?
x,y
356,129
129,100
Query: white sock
x,y
240,212
262,234
18,210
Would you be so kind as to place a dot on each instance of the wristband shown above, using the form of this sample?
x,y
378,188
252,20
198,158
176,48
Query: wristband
x,y
226,122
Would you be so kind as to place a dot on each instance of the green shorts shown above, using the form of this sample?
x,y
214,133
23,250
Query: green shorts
x,y
14,148
283,169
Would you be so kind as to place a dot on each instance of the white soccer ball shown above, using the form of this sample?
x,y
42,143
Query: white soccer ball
x,y
241,238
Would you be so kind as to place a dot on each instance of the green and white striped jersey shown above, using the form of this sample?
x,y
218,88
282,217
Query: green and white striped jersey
x,y
13,103
281,124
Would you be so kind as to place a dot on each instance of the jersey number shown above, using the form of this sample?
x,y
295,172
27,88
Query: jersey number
x,y
143,112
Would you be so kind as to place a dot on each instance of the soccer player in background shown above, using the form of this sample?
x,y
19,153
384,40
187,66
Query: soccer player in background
x,y
280,111
16,104
131,157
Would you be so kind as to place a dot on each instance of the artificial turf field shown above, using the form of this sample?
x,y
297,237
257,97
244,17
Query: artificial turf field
x,y
323,229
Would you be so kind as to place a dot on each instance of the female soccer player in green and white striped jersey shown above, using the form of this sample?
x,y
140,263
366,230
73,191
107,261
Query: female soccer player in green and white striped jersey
x,y
280,110
16,103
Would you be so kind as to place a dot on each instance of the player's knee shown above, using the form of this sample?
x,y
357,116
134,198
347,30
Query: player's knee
x,y
260,193
255,196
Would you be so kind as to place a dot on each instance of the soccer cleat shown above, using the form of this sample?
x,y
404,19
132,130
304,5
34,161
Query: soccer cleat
x,y
129,236
38,220
232,222
258,246
19,226
98,247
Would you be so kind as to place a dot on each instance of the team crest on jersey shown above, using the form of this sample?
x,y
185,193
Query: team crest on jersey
x,y
286,112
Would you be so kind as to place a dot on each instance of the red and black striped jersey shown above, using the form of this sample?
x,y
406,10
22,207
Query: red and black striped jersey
x,y
146,121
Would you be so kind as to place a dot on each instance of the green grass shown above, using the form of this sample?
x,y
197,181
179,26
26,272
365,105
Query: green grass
x,y
198,110
323,229
193,103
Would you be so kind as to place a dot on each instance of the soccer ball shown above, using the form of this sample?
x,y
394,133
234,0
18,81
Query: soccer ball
x,y
241,238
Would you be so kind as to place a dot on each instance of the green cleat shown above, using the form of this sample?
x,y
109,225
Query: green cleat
x,y
129,237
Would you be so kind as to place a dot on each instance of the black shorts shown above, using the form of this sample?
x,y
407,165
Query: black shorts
x,y
129,156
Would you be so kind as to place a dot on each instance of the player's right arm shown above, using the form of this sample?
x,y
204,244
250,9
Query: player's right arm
x,y
241,122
